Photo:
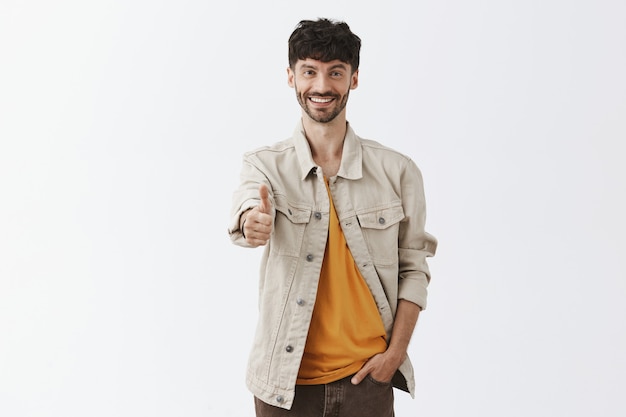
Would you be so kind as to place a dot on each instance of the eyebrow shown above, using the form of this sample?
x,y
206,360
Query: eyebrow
x,y
336,66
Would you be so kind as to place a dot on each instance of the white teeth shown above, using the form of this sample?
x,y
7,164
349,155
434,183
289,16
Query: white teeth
x,y
320,100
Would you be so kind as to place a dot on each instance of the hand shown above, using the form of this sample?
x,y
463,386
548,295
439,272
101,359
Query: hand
x,y
257,225
381,367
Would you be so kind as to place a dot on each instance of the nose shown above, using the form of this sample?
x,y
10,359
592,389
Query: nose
x,y
322,84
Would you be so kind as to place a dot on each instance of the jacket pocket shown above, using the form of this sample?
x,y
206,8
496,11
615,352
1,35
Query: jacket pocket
x,y
380,228
289,226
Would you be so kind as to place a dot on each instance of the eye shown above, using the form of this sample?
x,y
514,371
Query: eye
x,y
308,73
336,74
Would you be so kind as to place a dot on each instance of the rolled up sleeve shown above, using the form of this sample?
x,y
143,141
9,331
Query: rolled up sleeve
x,y
414,243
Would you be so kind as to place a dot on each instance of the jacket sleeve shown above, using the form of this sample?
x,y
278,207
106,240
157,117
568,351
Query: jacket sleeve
x,y
414,243
246,196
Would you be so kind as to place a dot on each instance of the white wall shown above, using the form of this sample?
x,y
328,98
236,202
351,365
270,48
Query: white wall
x,y
122,125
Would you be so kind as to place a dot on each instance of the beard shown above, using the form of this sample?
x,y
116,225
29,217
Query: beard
x,y
323,115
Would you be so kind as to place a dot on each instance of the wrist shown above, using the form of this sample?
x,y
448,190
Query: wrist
x,y
395,356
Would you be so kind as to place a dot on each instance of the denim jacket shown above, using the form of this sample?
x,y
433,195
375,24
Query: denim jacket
x,y
379,199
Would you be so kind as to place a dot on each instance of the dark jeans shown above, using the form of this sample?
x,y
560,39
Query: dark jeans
x,y
338,399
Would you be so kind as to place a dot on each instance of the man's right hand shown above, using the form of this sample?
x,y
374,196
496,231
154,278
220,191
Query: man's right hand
x,y
257,223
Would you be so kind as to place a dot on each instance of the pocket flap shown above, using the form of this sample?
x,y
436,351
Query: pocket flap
x,y
295,213
381,218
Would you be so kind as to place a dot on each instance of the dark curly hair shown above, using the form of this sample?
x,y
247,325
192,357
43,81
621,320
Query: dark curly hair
x,y
324,40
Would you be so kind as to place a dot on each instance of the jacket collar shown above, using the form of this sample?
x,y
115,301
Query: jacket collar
x,y
351,158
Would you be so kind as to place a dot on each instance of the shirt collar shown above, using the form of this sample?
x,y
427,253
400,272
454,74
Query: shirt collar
x,y
351,157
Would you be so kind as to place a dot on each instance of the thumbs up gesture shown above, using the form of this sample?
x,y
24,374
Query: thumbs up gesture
x,y
257,222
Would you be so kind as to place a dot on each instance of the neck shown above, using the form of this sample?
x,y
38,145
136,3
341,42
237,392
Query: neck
x,y
326,142
325,139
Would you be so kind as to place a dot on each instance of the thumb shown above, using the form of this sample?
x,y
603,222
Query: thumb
x,y
359,376
265,206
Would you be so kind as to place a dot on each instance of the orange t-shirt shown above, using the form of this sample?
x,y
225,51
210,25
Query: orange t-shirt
x,y
346,328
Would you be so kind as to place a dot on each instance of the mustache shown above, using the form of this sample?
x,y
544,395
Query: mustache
x,y
328,94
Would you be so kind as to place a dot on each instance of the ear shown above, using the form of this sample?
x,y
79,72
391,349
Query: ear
x,y
290,77
354,82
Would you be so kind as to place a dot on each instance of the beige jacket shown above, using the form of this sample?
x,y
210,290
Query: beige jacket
x,y
379,198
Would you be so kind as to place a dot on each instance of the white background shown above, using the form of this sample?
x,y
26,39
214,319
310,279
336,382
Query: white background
x,y
122,125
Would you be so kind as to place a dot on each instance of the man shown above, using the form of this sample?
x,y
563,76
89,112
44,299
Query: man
x,y
344,273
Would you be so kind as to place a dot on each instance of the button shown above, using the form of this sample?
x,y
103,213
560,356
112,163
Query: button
x,y
318,215
280,399
309,257
300,301
381,220
289,348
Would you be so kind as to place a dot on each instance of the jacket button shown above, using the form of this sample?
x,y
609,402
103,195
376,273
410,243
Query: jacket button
x,y
309,257
300,301
280,399
318,215
381,220
289,348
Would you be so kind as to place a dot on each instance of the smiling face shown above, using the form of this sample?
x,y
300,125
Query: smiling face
x,y
322,88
